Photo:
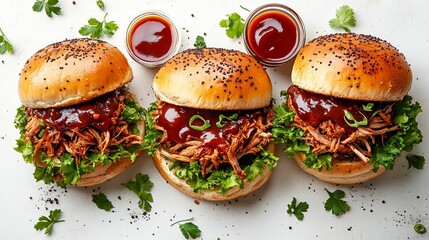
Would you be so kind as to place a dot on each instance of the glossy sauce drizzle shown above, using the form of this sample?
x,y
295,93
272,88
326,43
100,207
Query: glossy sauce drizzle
x,y
98,112
316,108
175,120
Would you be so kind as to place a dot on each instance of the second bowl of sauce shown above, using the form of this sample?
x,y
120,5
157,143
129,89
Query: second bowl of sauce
x,y
152,38
274,33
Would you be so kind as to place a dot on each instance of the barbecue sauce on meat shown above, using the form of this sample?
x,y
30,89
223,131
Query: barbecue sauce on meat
x,y
315,108
98,112
175,120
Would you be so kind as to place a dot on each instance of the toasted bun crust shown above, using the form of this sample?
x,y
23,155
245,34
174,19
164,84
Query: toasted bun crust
x,y
213,78
103,173
342,172
71,72
162,164
352,66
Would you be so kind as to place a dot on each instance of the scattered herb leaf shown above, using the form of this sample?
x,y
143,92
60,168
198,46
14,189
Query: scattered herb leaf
x,y
419,228
335,204
48,222
141,187
297,210
344,16
97,29
245,8
234,25
188,229
102,202
415,161
199,42
48,5
5,44
100,4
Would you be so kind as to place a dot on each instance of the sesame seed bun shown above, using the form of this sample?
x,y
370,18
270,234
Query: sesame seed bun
x,y
215,79
352,66
71,72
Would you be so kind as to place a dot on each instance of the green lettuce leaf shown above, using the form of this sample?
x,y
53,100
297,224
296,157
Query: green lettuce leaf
x,y
150,141
222,179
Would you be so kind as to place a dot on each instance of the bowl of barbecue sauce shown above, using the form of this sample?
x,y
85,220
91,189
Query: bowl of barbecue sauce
x,y
152,38
274,33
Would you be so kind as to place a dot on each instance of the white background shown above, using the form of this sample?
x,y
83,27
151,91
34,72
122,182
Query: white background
x,y
386,208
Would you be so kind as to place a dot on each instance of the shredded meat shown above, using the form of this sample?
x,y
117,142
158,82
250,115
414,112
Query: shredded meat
x,y
246,141
330,137
80,141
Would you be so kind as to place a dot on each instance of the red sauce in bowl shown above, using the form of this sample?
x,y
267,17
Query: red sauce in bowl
x,y
152,39
272,35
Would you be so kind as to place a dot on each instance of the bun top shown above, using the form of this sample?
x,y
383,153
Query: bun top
x,y
352,66
71,72
215,79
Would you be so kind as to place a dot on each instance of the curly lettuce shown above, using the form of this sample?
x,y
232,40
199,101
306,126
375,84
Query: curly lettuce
x,y
384,154
222,179
67,167
150,141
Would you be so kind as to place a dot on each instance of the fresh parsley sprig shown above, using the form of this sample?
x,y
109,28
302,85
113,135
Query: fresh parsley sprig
x,y
199,42
100,4
188,229
415,161
49,6
344,16
102,202
140,187
5,44
335,204
48,222
297,210
97,29
234,25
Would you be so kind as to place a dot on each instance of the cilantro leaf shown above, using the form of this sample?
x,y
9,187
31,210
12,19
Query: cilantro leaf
x,y
48,5
234,25
97,29
199,42
188,229
297,210
141,187
415,161
335,204
48,222
100,4
102,202
5,44
344,16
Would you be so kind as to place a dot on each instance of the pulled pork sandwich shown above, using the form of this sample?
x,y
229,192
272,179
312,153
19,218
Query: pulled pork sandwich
x,y
79,124
209,131
347,116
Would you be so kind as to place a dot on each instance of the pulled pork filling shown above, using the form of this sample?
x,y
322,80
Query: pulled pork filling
x,y
330,137
94,127
215,145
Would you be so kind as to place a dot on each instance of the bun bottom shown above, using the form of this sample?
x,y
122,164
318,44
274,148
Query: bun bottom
x,y
103,173
342,172
162,165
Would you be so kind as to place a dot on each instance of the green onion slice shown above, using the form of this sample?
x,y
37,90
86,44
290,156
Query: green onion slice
x,y
199,128
355,124
368,107
221,123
